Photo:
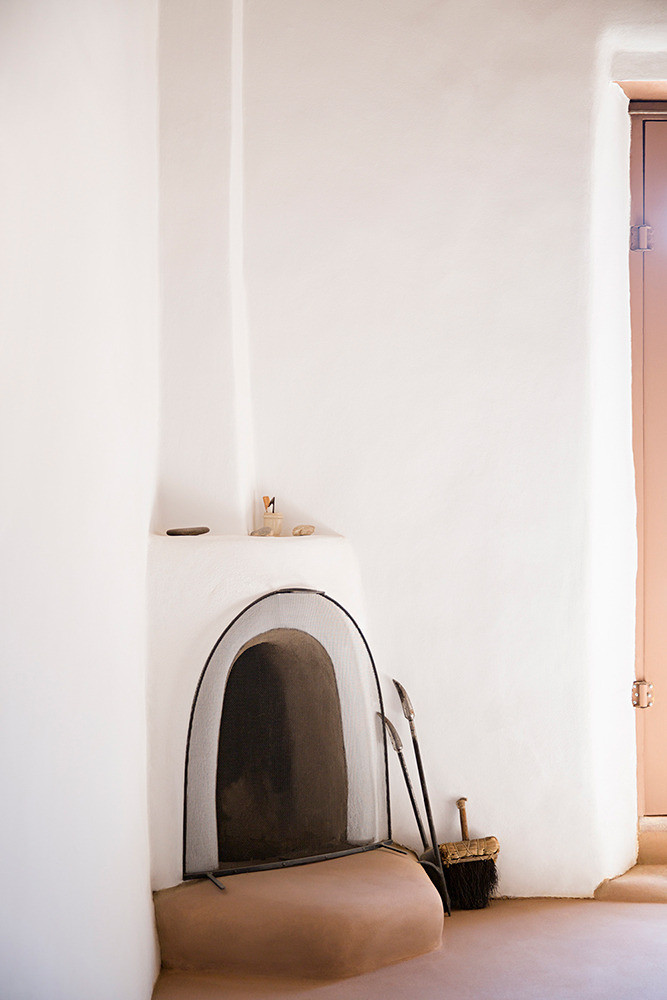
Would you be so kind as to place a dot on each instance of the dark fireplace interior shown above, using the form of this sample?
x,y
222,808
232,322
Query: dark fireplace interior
x,y
281,788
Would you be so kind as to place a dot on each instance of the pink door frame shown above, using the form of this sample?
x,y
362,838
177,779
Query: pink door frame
x,y
648,305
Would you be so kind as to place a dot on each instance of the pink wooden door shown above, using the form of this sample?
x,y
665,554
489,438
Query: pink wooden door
x,y
650,323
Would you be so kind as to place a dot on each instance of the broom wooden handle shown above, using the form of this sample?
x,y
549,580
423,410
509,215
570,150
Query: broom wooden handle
x,y
461,806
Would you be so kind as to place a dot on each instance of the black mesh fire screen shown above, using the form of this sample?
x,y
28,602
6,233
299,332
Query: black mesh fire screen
x,y
286,757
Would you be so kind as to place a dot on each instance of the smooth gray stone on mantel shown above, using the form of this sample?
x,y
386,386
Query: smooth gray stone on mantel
x,y
188,531
303,529
260,533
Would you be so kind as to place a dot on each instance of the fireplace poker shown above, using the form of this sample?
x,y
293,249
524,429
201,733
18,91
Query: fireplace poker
x,y
398,747
436,859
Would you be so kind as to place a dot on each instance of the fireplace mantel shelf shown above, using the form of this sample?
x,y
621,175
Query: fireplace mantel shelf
x,y
253,557
254,539
245,567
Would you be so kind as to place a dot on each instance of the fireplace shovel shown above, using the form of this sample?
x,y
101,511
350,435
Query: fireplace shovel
x,y
432,856
431,869
397,744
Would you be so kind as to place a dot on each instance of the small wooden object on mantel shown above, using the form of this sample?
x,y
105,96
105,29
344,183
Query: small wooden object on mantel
x,y
272,519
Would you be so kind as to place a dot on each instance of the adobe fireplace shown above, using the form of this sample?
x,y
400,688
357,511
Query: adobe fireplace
x,y
286,757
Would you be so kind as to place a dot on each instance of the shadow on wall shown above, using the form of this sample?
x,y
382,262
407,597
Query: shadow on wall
x,y
180,505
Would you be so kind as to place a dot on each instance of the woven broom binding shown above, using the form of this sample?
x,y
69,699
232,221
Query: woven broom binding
x,y
486,848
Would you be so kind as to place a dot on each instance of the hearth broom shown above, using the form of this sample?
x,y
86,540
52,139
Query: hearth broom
x,y
470,867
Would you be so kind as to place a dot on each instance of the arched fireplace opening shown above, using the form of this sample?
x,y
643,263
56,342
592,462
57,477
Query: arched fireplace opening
x,y
281,789
286,758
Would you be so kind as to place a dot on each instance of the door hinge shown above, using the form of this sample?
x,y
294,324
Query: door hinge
x,y
641,238
642,694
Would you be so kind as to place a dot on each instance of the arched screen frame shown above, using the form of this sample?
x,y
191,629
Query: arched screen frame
x,y
210,865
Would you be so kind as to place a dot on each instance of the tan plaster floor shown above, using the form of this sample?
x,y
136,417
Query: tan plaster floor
x,y
524,949
645,882
641,884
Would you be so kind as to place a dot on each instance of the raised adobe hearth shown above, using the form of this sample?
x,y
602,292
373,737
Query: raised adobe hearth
x,y
326,920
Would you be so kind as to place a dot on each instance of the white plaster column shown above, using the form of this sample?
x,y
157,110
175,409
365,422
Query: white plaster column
x,y
204,450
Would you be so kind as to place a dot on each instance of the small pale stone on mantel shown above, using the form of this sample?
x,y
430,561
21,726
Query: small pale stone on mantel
x,y
260,533
303,529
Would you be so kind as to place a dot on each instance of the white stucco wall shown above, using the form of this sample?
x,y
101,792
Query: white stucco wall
x,y
435,210
433,254
438,375
79,358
